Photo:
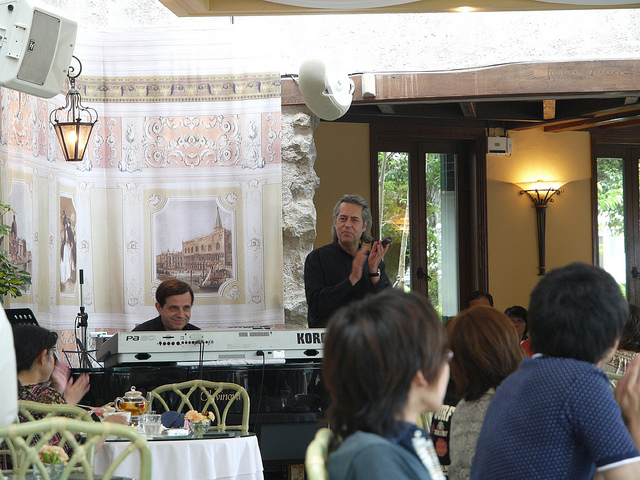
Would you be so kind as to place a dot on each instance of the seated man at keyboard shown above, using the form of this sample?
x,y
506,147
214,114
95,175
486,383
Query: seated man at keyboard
x,y
556,416
174,299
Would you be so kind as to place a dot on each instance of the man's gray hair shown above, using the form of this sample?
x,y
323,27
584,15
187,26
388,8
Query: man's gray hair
x,y
366,215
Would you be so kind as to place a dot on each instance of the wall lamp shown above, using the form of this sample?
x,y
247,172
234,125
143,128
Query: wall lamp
x,y
78,121
541,194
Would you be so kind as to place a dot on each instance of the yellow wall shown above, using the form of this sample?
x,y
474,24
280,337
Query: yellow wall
x,y
343,167
513,250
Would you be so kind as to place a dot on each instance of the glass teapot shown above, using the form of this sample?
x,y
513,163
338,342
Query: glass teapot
x,y
133,402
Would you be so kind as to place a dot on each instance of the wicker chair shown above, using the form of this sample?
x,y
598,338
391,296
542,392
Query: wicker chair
x,y
613,379
44,410
26,458
315,461
28,408
213,392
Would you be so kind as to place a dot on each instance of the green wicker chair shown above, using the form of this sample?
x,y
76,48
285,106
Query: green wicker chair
x,y
26,458
27,409
424,421
44,410
315,461
613,379
213,392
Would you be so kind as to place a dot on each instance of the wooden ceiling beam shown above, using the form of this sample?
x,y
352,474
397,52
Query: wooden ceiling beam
x,y
186,8
579,79
548,109
599,121
630,122
387,108
468,109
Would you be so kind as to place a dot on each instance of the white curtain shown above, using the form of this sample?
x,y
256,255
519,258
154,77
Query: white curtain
x,y
182,179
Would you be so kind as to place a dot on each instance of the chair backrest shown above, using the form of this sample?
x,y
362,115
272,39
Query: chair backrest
x,y
315,461
217,394
613,379
424,421
43,410
33,410
26,456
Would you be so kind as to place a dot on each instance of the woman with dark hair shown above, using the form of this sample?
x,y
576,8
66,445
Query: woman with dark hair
x,y
629,345
385,362
486,349
36,363
520,318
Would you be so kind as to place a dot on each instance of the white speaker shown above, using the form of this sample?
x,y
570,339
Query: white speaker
x,y
326,90
36,45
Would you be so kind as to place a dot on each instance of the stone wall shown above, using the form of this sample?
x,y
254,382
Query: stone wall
x,y
299,183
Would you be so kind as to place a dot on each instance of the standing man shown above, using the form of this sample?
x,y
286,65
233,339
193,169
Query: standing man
x,y
344,271
174,299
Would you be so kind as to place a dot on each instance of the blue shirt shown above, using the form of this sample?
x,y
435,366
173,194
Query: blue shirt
x,y
554,418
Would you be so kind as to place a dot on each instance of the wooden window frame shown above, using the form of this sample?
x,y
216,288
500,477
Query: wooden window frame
x,y
473,271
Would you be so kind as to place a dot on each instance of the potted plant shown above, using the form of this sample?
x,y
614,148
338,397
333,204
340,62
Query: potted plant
x,y
12,278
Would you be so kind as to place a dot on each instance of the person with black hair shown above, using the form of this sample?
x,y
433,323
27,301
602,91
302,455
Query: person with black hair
x,y
385,362
36,363
520,318
174,299
478,297
35,348
556,416
345,270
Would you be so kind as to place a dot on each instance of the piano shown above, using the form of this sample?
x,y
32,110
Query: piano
x,y
288,398
211,345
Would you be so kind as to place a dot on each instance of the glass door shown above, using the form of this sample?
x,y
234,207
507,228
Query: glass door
x,y
441,232
618,218
418,209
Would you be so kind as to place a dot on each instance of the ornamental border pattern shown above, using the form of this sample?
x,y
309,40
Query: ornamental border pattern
x,y
188,88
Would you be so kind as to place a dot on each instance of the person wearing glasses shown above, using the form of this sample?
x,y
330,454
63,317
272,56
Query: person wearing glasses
x,y
385,362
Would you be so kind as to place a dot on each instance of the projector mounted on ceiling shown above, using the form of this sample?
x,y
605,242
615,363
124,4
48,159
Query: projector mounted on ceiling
x,y
326,90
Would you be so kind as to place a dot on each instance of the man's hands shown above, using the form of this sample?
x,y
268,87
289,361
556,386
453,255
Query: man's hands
x,y
373,257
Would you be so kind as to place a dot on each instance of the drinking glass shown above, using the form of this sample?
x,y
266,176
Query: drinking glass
x,y
151,424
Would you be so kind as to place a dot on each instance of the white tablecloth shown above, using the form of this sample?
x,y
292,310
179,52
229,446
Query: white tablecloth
x,y
203,459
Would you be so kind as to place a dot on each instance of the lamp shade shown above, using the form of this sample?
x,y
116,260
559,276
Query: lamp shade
x,y
73,138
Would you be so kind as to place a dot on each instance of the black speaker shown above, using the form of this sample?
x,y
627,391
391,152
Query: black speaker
x,y
36,45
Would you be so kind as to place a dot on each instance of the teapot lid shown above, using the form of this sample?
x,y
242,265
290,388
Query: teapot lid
x,y
133,393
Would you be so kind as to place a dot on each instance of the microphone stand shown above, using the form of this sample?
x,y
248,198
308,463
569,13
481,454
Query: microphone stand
x,y
82,323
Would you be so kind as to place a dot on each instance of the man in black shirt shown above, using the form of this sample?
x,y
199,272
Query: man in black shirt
x,y
344,271
174,299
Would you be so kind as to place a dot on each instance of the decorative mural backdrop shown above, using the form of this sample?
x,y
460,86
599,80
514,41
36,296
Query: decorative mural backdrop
x,y
182,179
